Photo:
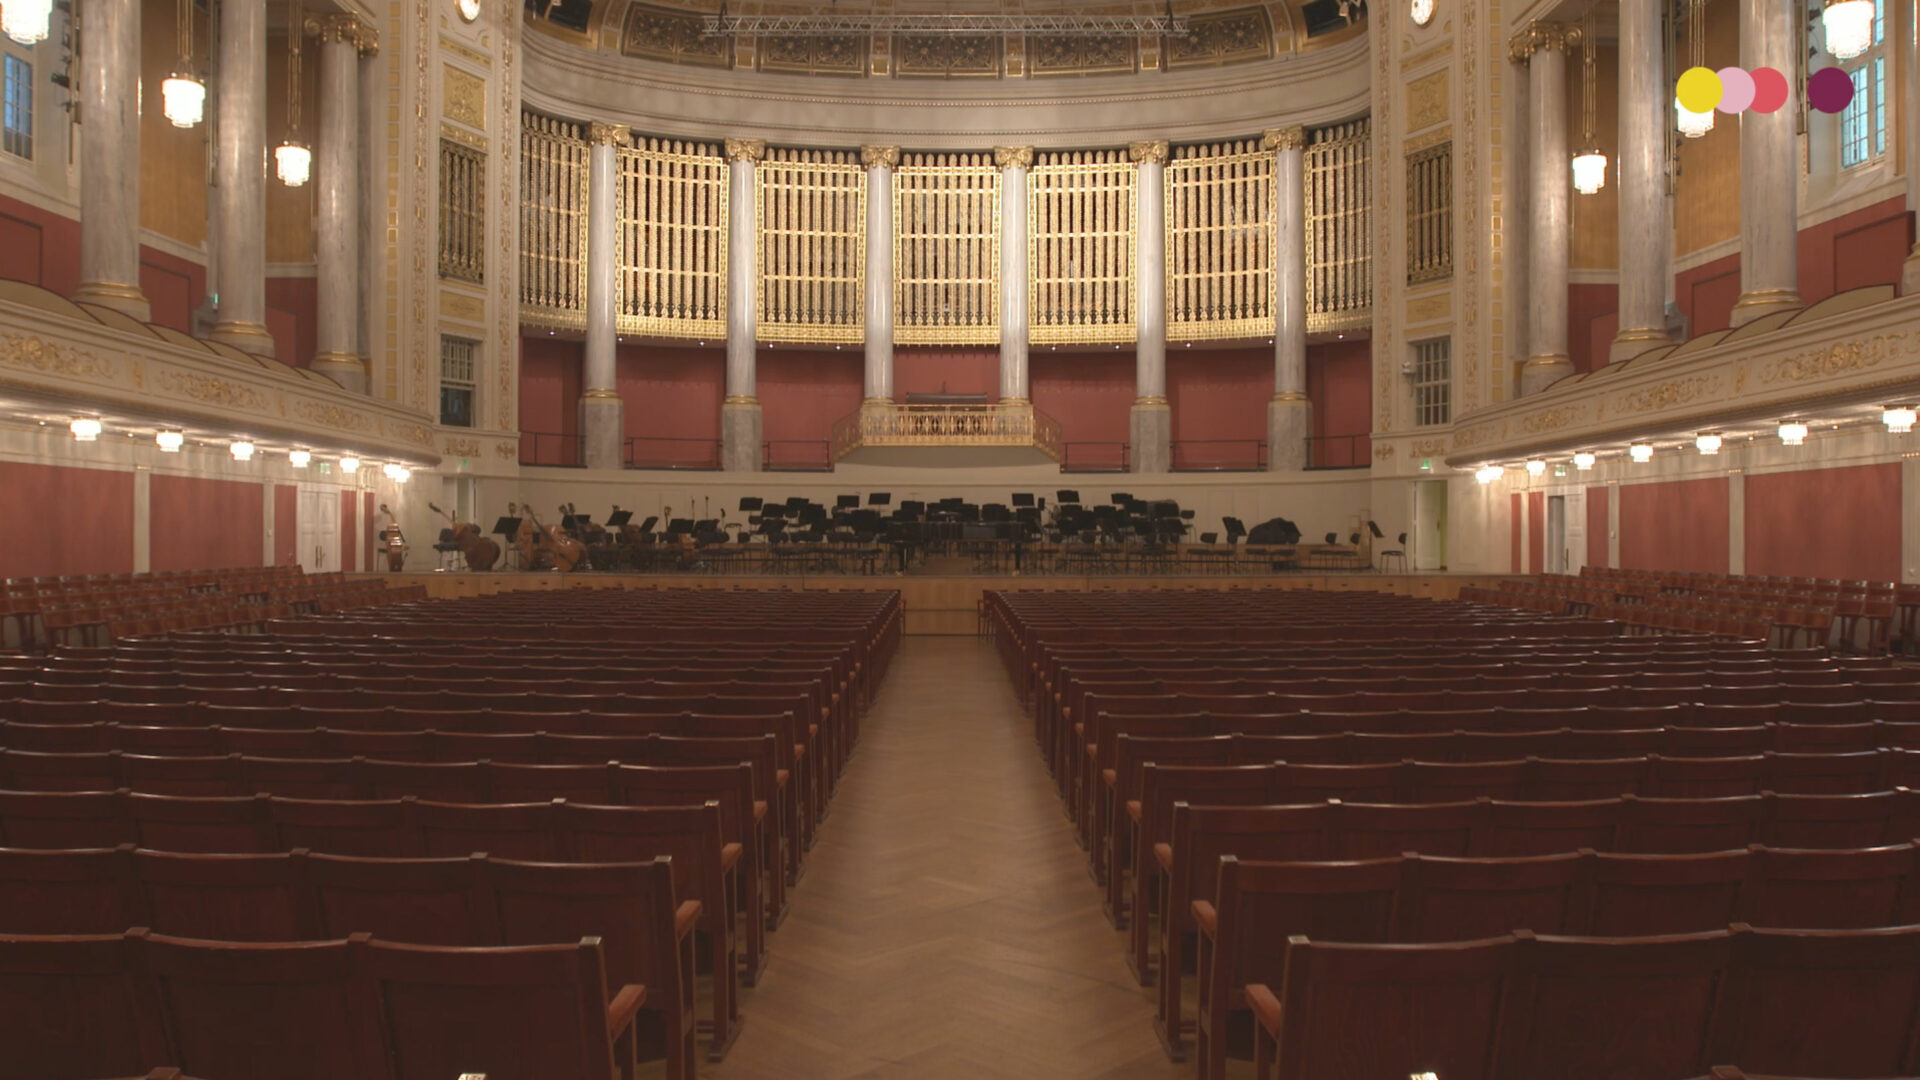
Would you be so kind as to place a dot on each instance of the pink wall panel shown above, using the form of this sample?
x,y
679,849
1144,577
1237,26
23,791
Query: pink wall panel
x,y
65,521
286,524
1680,525
956,369
199,523
1825,523
349,531
1598,496
1588,305
672,392
1219,393
1537,532
293,316
804,391
1514,523
1090,393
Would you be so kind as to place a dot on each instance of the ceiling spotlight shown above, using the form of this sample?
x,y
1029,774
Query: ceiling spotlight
x,y
241,450
1708,444
1641,453
1489,473
1898,418
170,442
300,459
1583,460
85,429
1792,433
349,465
1536,467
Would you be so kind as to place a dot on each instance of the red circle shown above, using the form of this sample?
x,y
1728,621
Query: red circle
x,y
1769,90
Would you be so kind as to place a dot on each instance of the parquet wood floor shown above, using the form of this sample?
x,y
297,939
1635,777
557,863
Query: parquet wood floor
x,y
946,928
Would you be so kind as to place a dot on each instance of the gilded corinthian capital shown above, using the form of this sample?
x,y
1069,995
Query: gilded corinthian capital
x,y
746,149
1154,150
886,157
1538,36
1013,157
615,135
1293,138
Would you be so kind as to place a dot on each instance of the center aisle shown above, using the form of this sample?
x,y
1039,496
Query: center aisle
x,y
946,926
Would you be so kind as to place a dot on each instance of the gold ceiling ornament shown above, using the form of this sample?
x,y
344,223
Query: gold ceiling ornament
x,y
1154,150
746,149
885,157
1291,138
1013,157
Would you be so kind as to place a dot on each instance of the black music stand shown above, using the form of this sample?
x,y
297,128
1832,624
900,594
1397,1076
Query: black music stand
x,y
618,519
509,527
750,503
846,502
679,526
647,525
1023,498
879,498
1067,498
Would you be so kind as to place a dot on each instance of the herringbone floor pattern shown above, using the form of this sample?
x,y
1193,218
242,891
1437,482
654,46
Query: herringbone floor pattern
x,y
946,928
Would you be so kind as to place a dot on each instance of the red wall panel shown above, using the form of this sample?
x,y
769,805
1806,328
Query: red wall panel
x,y
1514,525
293,317
1591,311
1536,532
1706,295
1681,525
65,521
1598,497
1825,523
39,246
366,530
174,288
1865,247
197,523
1090,393
286,524
1340,385
349,531
550,400
1219,393
956,369
804,391
671,393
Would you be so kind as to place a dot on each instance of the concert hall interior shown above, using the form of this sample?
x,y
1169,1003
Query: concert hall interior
x,y
924,539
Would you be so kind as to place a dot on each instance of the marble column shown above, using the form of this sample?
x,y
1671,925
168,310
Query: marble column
x,y
110,158
1910,111
1769,170
1289,414
1550,186
1014,161
603,423
336,326
240,177
880,161
1646,233
740,418
1150,427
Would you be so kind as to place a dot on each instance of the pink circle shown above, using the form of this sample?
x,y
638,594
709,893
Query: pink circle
x,y
1737,90
1829,90
1769,90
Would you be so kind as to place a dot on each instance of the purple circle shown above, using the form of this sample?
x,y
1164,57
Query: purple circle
x,y
1829,90
1736,90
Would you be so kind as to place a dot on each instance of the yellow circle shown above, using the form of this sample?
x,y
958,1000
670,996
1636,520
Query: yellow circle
x,y
1699,90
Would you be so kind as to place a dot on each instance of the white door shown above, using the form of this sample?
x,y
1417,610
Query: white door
x,y
319,529
1429,539
1556,534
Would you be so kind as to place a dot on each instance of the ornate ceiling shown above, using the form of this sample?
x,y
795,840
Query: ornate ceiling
x,y
1223,32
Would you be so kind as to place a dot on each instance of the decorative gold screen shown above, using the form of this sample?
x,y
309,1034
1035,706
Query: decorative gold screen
x,y
1339,227
811,207
1220,242
946,250
1430,214
553,223
1080,212
671,278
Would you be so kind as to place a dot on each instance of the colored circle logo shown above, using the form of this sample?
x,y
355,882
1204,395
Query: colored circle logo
x,y
1764,90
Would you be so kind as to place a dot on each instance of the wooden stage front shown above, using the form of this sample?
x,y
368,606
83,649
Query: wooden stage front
x,y
936,604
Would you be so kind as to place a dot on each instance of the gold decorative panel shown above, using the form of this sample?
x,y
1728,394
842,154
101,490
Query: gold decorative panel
x,y
463,212
463,97
675,36
1428,100
814,55
944,56
1052,54
946,250
1339,226
553,222
811,206
1080,263
1220,218
670,276
461,306
1223,37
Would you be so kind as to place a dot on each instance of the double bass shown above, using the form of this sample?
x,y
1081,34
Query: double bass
x,y
393,542
480,552
563,552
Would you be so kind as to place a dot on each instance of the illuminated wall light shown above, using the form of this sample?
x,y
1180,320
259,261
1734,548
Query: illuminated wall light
x,y
1898,418
401,474
241,451
1793,434
1488,474
1583,461
1536,467
1708,444
85,429
300,459
170,442
1641,453
349,465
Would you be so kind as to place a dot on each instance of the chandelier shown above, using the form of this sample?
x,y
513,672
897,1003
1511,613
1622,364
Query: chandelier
x,y
183,97
293,161
26,21
1695,124
1589,165
1849,27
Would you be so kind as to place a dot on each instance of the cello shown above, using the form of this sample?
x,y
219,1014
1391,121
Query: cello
x,y
393,542
480,552
565,553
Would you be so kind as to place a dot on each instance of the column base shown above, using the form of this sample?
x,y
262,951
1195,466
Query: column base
x,y
603,430
249,337
1150,429
1289,423
1762,302
740,434
1540,372
1631,343
348,370
125,299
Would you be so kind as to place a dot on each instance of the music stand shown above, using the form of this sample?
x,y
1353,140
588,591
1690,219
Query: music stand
x,y
1066,498
846,502
507,527
679,526
750,503
647,525
1023,498
1374,527
879,498
618,519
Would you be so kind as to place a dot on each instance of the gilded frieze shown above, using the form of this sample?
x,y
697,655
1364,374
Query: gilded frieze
x,y
1223,37
1550,420
52,358
674,36
940,56
1428,309
1669,394
211,391
463,97
1427,448
462,448
842,54
332,416
1428,100
465,308
1060,55
1840,358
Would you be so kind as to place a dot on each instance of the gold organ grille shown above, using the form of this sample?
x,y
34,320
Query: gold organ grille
x,y
946,250
1430,214
553,223
1339,227
811,209
1080,263
671,253
463,212
1219,206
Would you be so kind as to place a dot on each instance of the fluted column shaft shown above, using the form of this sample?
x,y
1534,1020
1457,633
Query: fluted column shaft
x,y
1151,424
110,158
1769,171
1550,207
602,413
1014,161
1289,414
740,417
337,330
1646,233
240,171
880,161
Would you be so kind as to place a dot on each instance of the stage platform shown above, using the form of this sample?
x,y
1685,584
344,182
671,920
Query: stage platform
x,y
936,604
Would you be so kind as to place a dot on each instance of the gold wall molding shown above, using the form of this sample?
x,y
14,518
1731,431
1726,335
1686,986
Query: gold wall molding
x,y
462,306
464,137
844,55
1425,56
1223,37
463,97
1429,100
947,56
1432,308
470,55
1426,448
1427,140
1053,54
1840,358
209,390
1667,395
53,358
674,36
468,448
1549,420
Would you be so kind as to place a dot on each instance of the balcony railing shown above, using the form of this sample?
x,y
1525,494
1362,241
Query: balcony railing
x,y
659,452
797,455
1219,455
1095,457
550,448
1340,452
888,424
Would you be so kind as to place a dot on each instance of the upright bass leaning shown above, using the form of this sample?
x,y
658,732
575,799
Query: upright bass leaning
x,y
393,544
480,552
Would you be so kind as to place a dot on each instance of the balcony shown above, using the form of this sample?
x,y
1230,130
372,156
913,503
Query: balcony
x,y
996,434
